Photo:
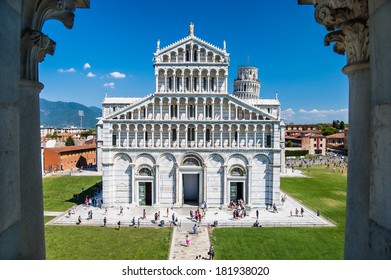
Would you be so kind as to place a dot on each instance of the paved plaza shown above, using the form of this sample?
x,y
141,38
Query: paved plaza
x,y
285,217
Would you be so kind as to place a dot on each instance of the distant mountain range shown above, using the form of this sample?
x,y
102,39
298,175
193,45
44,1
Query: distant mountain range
x,y
63,114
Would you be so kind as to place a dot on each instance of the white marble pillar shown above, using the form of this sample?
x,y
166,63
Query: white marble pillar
x,y
135,136
127,136
195,136
195,109
213,109
169,135
153,136
165,82
161,135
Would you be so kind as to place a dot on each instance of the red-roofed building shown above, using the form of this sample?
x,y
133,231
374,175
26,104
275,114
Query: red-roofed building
x,y
335,141
68,157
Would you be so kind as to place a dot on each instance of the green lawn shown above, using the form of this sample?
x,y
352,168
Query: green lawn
x,y
95,243
58,190
98,243
324,190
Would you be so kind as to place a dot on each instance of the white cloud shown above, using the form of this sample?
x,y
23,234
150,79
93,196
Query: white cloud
x,y
109,85
288,113
324,113
86,66
70,70
91,75
314,115
117,75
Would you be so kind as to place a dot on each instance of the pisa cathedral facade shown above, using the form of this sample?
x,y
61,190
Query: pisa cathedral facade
x,y
191,141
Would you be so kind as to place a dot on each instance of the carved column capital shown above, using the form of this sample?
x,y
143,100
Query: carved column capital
x,y
41,42
348,22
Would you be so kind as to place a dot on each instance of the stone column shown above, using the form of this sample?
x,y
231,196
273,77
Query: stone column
x,y
380,194
11,241
213,109
135,135
156,184
30,167
204,130
161,109
348,23
127,136
153,136
157,82
165,82
249,184
169,135
195,109
161,135
226,189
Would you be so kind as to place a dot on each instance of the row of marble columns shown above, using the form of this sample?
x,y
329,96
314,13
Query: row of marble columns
x,y
192,55
239,112
191,83
192,142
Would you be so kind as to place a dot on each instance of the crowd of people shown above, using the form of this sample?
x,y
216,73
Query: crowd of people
x,y
338,163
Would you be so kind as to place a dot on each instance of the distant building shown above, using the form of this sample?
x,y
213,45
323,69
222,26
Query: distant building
x,y
301,127
315,144
335,141
305,136
68,157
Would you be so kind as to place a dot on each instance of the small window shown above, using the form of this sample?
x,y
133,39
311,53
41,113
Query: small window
x,y
237,171
191,162
145,172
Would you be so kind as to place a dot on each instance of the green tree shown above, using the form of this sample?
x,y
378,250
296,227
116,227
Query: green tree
x,y
86,133
69,141
341,125
289,144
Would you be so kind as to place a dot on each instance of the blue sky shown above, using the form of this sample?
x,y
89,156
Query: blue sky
x,y
111,45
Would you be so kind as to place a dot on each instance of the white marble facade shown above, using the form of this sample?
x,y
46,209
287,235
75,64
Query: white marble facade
x,y
191,141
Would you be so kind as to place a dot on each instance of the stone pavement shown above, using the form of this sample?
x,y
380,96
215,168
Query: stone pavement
x,y
199,242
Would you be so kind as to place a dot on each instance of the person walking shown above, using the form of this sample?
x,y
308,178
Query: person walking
x,y
104,221
187,241
257,214
211,252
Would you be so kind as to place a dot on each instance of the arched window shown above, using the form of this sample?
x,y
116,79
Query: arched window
x,y
191,161
237,171
145,171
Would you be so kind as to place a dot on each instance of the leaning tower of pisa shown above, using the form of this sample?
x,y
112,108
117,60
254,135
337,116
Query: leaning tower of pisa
x,y
247,84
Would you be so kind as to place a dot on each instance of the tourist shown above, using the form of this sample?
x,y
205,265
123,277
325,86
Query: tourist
x,y
133,221
187,241
195,229
104,221
168,212
211,252
302,211
138,223
121,210
119,225
78,220
257,214
297,212
144,214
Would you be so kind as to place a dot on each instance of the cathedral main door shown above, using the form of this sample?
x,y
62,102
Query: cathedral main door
x,y
190,188
145,193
